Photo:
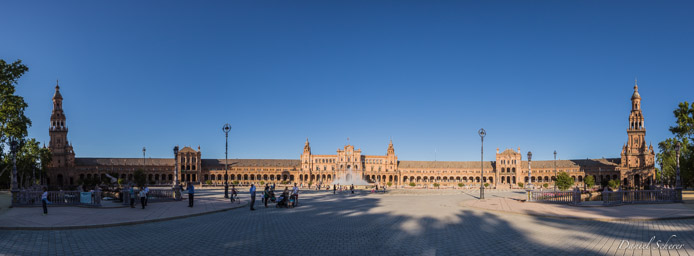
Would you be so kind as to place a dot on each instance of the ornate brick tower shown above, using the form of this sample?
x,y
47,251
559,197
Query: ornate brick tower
x,y
391,159
637,157
306,162
63,155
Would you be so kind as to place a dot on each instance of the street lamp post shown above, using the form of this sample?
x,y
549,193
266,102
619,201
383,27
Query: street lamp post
x,y
530,181
176,187
662,171
15,187
226,128
678,182
482,133
144,160
555,170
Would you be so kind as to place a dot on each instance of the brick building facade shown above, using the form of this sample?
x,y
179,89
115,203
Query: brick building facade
x,y
635,168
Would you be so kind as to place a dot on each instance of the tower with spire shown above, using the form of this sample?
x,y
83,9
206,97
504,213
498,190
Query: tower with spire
x,y
391,158
63,155
306,157
636,155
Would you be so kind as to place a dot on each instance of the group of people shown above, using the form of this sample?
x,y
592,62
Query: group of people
x,y
286,199
337,186
142,194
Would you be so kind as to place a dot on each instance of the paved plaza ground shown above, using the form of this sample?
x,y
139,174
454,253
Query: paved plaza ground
x,y
397,223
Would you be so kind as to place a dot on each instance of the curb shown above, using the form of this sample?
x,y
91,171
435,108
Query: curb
x,y
580,218
123,223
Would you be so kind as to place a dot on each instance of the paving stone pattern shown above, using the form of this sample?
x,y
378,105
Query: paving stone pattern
x,y
362,224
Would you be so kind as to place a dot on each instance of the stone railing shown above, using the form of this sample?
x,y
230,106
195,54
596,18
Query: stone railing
x,y
609,197
154,195
59,198
640,196
552,196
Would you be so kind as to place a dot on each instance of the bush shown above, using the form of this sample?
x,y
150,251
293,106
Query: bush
x,y
412,184
486,185
436,185
121,181
545,185
613,184
208,182
520,184
236,182
589,181
389,183
564,181
460,185
262,182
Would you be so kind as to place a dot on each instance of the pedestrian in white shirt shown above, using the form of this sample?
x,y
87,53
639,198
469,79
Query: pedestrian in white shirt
x,y
44,200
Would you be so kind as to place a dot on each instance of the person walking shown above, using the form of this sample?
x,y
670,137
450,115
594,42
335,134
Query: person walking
x,y
191,194
44,200
233,193
146,194
352,188
334,189
295,194
143,197
252,192
266,194
132,197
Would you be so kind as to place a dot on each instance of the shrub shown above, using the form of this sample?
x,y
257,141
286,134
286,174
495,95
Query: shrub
x,y
389,183
412,184
121,181
436,185
520,184
589,181
460,185
486,185
545,185
262,182
564,181
236,182
208,182
613,184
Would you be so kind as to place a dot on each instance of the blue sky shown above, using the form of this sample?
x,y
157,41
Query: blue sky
x,y
540,75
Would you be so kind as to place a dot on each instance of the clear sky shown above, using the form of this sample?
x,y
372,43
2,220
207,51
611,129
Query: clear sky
x,y
540,75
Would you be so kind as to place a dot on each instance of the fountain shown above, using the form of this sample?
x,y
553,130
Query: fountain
x,y
349,178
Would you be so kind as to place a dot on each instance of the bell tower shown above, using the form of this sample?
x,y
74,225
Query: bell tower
x,y
306,162
63,155
635,153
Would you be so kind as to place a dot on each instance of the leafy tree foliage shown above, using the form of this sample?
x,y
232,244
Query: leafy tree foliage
x,y
683,132
564,181
589,181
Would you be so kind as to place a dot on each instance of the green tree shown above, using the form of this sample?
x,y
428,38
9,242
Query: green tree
x,y
486,185
683,132
545,185
140,178
589,181
389,184
520,184
613,184
564,181
13,122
